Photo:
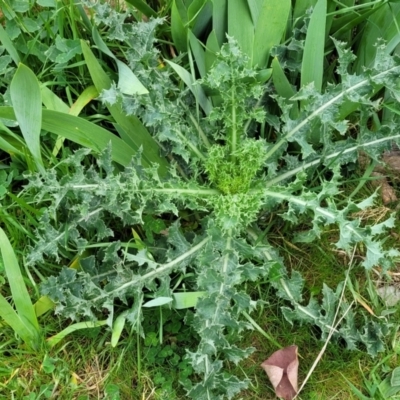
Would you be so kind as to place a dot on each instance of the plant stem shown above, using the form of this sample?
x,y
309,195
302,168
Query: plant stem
x,y
234,133
158,271
303,167
324,107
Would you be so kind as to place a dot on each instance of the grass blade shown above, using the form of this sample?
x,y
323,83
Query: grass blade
x,y
9,315
89,94
197,91
212,48
24,321
283,86
270,29
20,294
357,392
27,102
312,68
117,328
198,53
82,132
9,145
52,341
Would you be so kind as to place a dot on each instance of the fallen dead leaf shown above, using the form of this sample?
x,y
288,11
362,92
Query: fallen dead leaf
x,y
282,370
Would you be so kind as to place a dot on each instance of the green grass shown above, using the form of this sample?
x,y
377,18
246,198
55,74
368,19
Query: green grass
x,y
85,365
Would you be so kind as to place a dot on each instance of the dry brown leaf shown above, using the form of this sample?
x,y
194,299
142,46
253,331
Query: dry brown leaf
x,y
281,368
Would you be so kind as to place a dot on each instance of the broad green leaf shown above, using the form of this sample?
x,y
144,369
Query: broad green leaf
x,y
130,124
198,53
186,299
124,136
159,301
254,7
89,94
199,16
283,86
194,8
281,83
9,46
240,26
212,48
82,132
330,16
383,24
178,29
51,101
128,82
219,20
8,142
27,102
270,29
52,341
20,295
300,8
43,305
117,328
264,75
395,377
312,67
197,91
143,7
342,27
387,389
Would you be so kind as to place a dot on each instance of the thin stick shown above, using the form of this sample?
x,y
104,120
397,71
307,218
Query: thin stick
x,y
333,329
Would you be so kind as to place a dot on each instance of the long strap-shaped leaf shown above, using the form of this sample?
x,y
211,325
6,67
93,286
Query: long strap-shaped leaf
x,y
128,82
24,331
9,46
197,90
143,8
269,29
130,124
24,321
258,25
82,132
312,66
27,102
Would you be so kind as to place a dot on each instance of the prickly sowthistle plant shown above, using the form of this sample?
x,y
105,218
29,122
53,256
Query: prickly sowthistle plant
x,y
229,175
